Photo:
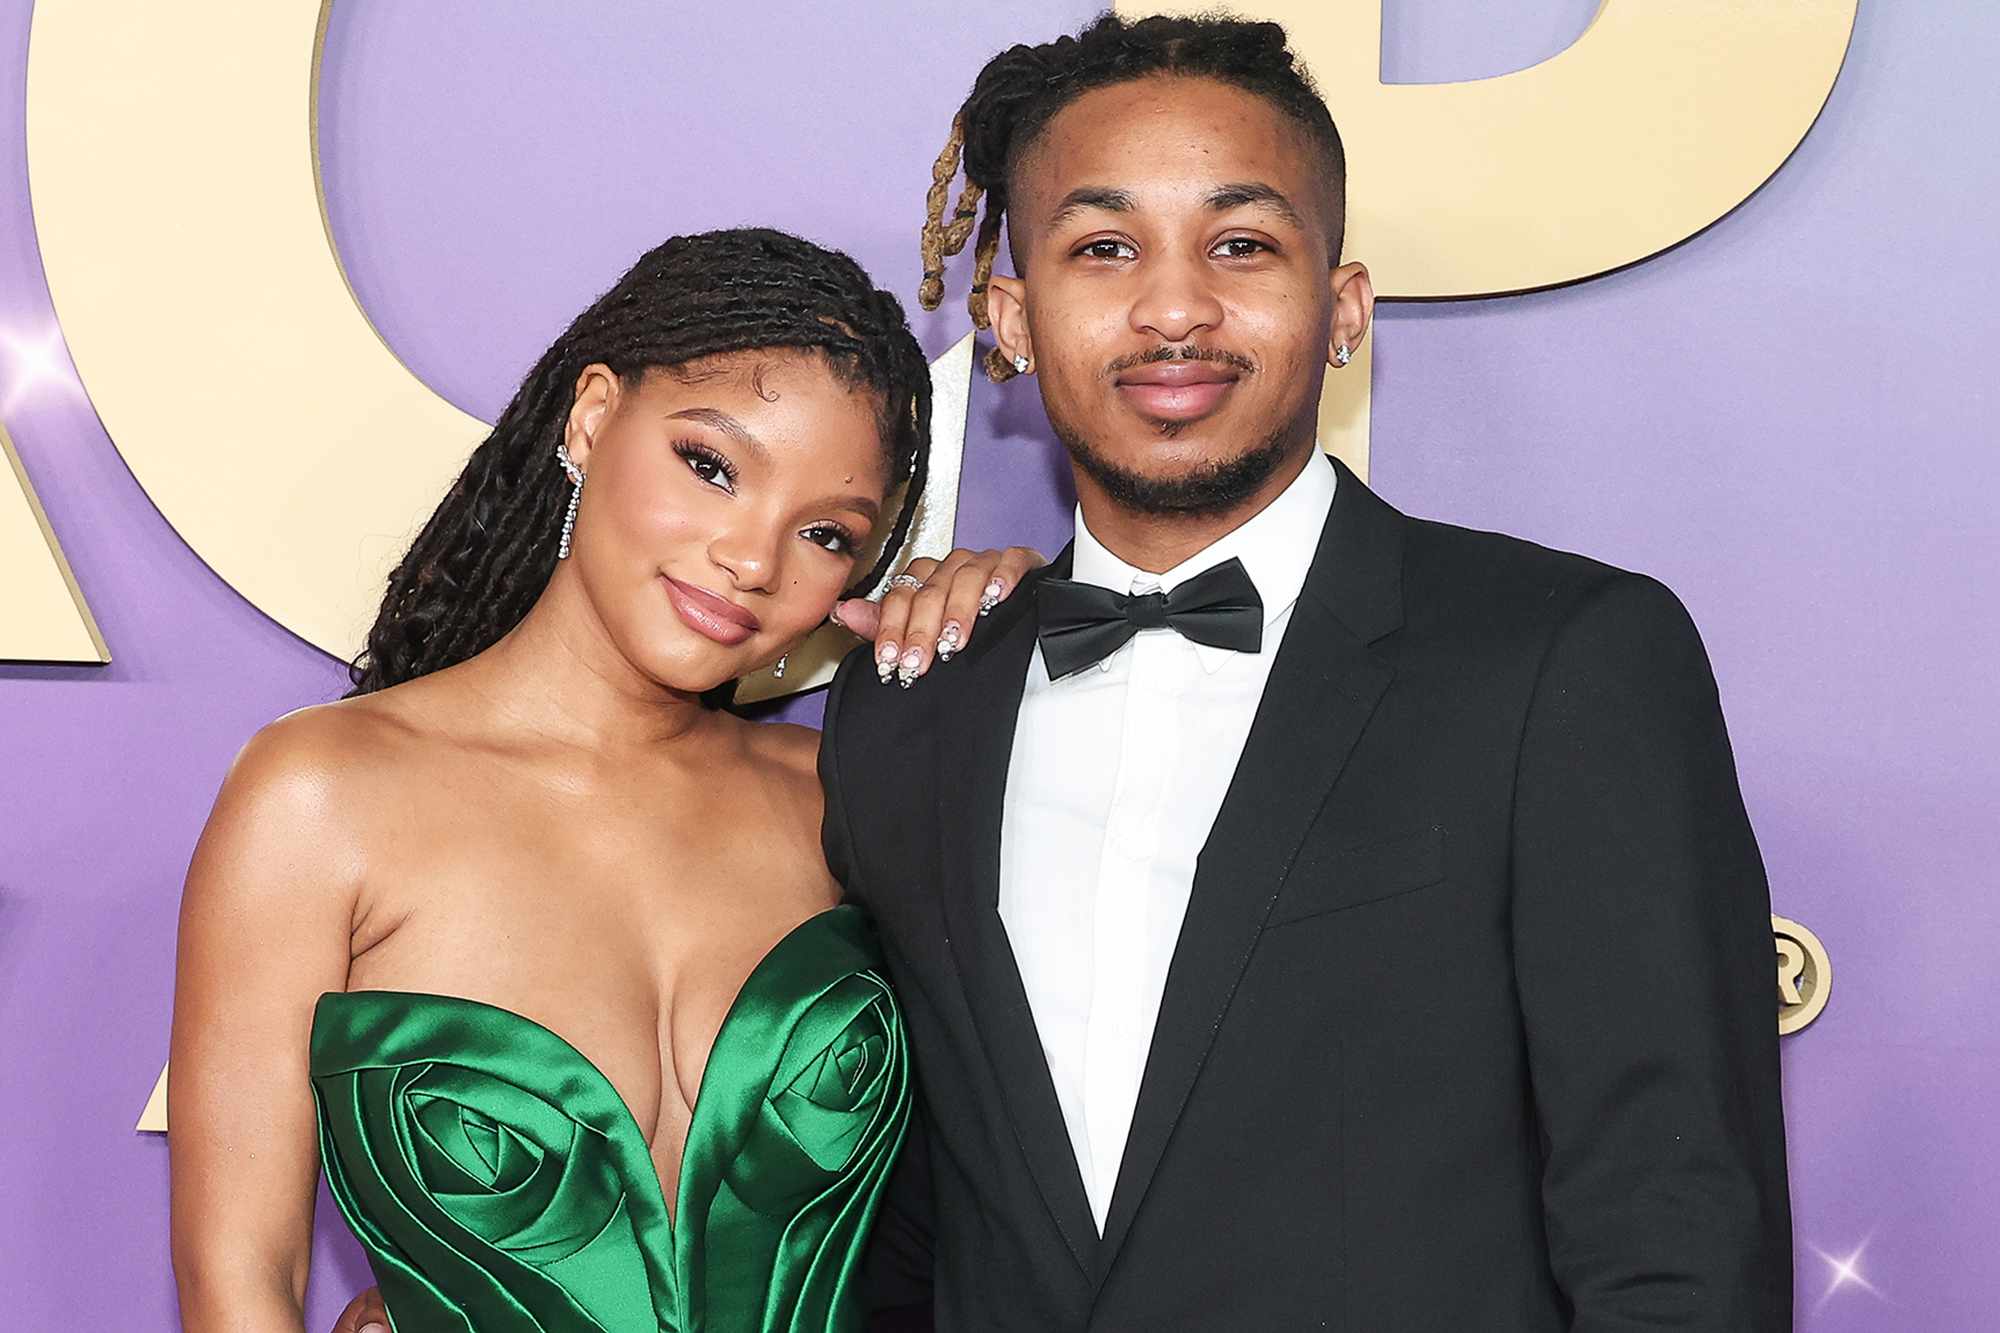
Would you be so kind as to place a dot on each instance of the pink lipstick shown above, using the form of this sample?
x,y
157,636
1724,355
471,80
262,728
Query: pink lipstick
x,y
705,613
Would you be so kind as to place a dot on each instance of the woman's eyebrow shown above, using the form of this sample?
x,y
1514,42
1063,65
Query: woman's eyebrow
x,y
722,421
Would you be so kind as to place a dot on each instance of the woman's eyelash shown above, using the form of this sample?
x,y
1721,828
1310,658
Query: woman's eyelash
x,y
843,539
699,456
695,452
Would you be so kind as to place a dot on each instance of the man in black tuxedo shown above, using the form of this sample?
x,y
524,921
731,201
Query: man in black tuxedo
x,y
1305,916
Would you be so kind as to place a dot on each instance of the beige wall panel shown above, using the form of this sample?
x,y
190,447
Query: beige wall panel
x,y
43,617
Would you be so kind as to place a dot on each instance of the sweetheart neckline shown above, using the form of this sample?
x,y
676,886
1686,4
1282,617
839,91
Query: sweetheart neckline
x,y
671,1213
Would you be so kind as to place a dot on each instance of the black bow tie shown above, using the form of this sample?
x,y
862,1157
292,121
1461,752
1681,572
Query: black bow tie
x,y
1081,623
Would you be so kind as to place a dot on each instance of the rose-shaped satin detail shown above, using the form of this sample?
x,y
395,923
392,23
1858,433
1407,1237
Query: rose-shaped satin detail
x,y
498,1183
822,1106
830,1105
807,1094
488,1168
508,1166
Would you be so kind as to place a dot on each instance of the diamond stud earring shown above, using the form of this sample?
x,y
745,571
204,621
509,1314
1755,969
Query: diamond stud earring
x,y
1341,355
1020,365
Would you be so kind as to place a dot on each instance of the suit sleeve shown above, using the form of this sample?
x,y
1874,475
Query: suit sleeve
x,y
897,1268
1647,982
835,835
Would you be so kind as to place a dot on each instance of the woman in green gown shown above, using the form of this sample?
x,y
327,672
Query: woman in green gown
x,y
529,943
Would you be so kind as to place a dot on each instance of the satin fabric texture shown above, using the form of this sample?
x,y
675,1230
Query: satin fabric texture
x,y
498,1183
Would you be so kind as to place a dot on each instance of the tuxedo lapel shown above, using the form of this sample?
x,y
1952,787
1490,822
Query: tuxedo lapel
x,y
1322,690
976,736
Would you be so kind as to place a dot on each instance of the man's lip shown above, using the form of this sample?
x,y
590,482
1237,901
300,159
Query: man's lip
x,y
1181,401
717,617
1177,373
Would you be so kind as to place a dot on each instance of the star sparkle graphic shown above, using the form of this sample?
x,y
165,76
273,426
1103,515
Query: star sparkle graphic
x,y
32,363
1846,1273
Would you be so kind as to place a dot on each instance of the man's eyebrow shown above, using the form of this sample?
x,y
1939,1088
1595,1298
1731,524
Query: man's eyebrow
x,y
1239,193
1090,196
723,422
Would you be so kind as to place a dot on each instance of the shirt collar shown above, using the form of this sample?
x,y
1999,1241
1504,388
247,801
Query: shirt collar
x,y
1276,546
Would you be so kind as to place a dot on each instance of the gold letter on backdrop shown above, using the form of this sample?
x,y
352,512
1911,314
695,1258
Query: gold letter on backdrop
x,y
171,157
43,617
1662,117
1805,975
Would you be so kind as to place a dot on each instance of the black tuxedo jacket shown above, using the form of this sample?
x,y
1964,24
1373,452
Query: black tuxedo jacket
x,y
1471,1026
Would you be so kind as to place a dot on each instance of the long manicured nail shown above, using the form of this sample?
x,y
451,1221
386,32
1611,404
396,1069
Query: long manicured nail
x,y
885,662
949,641
907,669
374,1328
991,597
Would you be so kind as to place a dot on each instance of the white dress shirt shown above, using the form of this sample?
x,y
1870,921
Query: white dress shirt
x,y
1117,774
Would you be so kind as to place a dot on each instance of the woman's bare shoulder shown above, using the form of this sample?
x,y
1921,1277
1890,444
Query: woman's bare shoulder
x,y
300,792
323,749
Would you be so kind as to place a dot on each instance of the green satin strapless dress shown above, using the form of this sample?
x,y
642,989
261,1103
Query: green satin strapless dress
x,y
499,1184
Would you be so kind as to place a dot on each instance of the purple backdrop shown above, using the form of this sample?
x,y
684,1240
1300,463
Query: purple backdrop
x,y
1783,418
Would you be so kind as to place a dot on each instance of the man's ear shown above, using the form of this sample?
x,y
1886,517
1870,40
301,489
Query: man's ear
x,y
597,390
1353,310
1007,310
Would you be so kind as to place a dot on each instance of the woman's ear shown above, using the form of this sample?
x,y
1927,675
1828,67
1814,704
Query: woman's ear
x,y
1007,309
1353,310
597,390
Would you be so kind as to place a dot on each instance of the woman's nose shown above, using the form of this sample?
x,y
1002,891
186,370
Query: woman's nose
x,y
749,558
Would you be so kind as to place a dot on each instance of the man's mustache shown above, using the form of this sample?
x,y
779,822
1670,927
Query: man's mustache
x,y
1186,352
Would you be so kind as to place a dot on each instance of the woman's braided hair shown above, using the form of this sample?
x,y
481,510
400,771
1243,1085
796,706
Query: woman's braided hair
x,y
1021,90
487,552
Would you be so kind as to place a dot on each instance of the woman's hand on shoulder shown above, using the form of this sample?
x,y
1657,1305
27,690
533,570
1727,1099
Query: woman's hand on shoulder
x,y
932,608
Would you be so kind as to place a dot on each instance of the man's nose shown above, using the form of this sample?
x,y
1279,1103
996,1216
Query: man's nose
x,y
1176,302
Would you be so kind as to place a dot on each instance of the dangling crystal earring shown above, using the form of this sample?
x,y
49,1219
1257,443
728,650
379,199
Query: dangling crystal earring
x,y
1020,365
575,495
1341,355
778,668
